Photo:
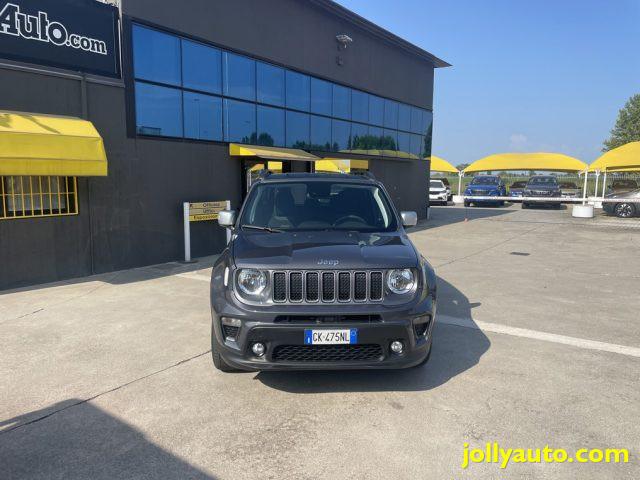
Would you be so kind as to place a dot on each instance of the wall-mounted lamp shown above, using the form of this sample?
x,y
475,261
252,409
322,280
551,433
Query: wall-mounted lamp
x,y
343,41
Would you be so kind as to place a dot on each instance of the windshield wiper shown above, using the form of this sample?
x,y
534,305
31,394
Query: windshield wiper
x,y
264,229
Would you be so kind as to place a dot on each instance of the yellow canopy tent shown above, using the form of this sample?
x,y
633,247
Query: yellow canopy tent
x,y
440,165
554,162
625,158
622,159
49,145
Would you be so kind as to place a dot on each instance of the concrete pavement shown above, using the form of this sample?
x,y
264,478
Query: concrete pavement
x,y
110,376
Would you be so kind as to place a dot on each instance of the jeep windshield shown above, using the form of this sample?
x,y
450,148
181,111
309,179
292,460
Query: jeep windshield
x,y
318,205
543,181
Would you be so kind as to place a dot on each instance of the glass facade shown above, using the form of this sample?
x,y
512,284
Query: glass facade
x,y
187,89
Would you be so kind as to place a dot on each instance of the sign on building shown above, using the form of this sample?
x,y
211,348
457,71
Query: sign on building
x,y
80,35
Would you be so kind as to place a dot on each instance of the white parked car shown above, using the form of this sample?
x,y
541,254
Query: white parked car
x,y
438,192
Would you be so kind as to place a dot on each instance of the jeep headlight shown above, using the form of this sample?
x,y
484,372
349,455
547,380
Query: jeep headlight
x,y
401,281
252,282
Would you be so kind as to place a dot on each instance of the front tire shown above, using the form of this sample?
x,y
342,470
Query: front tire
x,y
624,210
525,205
467,203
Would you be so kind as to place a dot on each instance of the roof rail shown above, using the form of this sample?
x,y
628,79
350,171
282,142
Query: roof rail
x,y
366,174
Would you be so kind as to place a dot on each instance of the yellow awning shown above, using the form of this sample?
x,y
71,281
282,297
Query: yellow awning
x,y
440,165
270,153
50,145
625,158
340,165
547,162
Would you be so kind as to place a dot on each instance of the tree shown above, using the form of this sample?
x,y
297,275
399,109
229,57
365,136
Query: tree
x,y
627,127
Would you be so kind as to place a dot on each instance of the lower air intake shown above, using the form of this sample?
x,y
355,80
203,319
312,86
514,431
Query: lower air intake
x,y
327,353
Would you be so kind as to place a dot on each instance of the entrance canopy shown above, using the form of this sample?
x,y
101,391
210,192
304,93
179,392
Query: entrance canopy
x,y
49,145
341,165
622,159
270,153
440,165
527,161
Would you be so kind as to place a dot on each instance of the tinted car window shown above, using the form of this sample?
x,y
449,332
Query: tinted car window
x,y
543,181
313,205
485,181
518,184
568,185
436,184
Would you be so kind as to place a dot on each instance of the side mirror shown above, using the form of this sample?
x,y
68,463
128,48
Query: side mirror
x,y
409,219
227,218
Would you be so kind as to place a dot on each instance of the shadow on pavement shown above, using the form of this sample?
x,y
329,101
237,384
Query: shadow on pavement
x,y
455,350
84,442
122,277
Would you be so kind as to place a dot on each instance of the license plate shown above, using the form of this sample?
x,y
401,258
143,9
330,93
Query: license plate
x,y
331,337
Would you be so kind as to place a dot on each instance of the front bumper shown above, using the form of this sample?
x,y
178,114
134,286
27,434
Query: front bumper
x,y
439,197
266,325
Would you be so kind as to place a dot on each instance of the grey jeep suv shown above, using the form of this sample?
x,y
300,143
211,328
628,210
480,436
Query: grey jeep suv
x,y
320,274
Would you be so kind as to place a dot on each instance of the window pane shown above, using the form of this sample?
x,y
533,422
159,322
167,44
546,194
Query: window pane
x,y
321,100
202,116
270,84
390,114
360,106
298,91
375,138
239,76
297,130
201,67
320,133
404,142
376,110
239,122
360,136
156,56
340,135
416,120
417,145
427,120
390,140
404,117
158,110
270,126
341,102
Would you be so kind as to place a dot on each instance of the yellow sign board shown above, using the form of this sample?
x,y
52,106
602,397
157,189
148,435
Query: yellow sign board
x,y
205,211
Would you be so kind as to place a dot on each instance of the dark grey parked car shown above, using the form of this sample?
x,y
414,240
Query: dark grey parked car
x,y
542,188
623,207
320,274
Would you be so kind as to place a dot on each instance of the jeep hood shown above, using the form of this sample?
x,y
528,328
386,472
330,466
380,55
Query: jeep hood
x,y
321,250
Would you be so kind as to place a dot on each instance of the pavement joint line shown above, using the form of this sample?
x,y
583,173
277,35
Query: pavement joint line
x,y
537,335
98,395
194,276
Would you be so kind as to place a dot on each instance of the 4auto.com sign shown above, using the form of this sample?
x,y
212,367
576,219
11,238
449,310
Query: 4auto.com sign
x,y
81,35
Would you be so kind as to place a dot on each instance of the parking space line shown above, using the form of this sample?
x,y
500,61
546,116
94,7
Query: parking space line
x,y
536,335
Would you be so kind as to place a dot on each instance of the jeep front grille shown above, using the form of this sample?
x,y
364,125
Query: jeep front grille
x,y
342,286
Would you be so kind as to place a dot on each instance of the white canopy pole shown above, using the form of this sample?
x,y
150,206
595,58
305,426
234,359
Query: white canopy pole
x,y
584,190
604,184
460,175
597,178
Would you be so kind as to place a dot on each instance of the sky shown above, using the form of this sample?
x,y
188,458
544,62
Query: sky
x,y
527,75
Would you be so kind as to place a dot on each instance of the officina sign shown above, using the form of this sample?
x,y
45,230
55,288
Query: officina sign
x,y
80,35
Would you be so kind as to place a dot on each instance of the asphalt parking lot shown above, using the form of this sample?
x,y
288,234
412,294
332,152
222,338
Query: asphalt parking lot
x,y
538,343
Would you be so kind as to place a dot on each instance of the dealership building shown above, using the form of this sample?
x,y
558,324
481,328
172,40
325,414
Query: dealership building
x,y
111,117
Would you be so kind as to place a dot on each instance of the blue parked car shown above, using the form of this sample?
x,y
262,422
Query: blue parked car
x,y
485,186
